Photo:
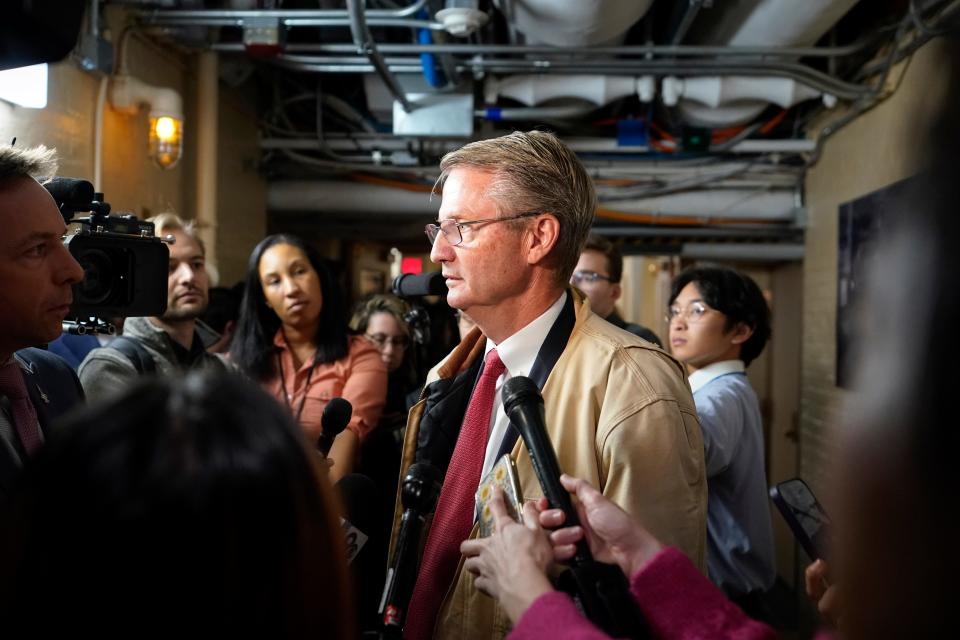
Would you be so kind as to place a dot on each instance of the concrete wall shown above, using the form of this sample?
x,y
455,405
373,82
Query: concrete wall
x,y
877,149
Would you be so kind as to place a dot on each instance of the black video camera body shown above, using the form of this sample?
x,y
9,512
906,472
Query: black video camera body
x,y
124,263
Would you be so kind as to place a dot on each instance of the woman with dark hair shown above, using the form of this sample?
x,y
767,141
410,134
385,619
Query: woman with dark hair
x,y
183,507
292,338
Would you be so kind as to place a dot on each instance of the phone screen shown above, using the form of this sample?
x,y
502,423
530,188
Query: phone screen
x,y
806,512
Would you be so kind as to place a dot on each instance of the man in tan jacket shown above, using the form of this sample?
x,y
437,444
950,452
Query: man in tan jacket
x,y
515,213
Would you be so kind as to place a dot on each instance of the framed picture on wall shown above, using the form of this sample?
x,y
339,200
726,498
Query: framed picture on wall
x,y
861,225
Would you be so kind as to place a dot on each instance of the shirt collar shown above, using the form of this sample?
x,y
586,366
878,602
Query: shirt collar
x,y
519,351
701,377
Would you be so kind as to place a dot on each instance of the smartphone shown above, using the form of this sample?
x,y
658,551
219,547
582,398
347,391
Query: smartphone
x,y
503,475
804,514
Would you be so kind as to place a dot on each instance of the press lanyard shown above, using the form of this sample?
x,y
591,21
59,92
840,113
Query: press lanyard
x,y
306,387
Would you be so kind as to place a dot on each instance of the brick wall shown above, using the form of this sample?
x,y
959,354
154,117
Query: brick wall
x,y
877,149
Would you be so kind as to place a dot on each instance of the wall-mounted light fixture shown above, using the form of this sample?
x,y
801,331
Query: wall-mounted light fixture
x,y
166,115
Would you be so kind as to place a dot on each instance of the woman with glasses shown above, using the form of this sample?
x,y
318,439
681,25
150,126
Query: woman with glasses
x,y
292,338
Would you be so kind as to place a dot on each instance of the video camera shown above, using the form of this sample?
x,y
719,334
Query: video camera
x,y
124,263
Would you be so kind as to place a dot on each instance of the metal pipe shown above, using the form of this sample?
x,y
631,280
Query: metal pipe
x,y
238,21
199,14
738,231
759,252
644,51
686,20
368,47
801,73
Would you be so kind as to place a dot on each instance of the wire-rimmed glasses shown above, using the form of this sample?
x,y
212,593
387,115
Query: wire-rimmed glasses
x,y
452,229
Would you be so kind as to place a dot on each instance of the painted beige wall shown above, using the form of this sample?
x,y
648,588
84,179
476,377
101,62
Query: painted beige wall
x,y
131,181
877,149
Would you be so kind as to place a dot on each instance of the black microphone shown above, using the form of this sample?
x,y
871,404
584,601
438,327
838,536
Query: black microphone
x,y
523,404
601,589
335,417
418,493
409,285
71,195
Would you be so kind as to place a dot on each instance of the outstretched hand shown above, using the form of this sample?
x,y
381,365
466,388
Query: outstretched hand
x,y
613,535
511,564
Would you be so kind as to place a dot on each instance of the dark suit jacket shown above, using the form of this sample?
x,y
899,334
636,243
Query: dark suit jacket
x,y
54,390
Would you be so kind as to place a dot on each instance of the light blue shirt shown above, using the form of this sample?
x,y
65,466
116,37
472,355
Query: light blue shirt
x,y
740,556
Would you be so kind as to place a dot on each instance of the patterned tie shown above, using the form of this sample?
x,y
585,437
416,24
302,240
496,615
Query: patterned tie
x,y
24,415
454,517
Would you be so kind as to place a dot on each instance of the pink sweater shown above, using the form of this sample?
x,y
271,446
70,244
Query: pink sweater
x,y
677,602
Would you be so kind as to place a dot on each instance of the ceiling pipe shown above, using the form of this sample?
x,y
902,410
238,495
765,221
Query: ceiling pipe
x,y
368,47
759,23
743,251
576,22
342,197
801,73
643,51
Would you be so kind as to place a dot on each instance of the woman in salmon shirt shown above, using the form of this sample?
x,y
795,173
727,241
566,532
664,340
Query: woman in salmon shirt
x,y
292,337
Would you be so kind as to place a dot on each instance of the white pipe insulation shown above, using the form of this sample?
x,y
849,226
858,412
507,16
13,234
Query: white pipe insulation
x,y
574,23
531,89
759,23
341,197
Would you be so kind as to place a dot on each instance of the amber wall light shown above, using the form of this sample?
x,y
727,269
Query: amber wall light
x,y
165,145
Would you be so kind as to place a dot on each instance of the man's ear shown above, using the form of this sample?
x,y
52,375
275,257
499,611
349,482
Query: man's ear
x,y
740,333
541,238
616,291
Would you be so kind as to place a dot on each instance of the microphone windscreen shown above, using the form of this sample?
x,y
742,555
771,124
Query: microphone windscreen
x,y
517,390
409,285
73,192
336,416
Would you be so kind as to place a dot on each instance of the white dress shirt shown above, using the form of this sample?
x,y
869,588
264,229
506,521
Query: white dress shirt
x,y
518,353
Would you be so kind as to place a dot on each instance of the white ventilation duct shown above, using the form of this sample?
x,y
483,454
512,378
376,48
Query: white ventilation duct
x,y
598,90
341,197
574,23
760,23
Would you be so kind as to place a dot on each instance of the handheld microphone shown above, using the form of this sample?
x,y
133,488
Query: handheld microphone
x,y
419,493
601,590
409,285
336,416
523,404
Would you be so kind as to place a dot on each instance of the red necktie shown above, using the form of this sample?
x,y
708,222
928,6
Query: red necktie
x,y
454,517
24,415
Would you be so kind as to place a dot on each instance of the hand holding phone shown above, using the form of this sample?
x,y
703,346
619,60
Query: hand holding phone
x,y
806,517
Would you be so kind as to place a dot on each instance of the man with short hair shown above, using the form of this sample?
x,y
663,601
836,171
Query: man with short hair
x,y
171,343
719,323
514,215
37,273
598,275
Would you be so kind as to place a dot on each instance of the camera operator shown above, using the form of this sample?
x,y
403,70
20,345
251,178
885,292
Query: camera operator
x,y
37,273
165,345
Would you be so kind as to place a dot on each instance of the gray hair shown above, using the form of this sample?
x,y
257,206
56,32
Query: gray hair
x,y
38,163
535,171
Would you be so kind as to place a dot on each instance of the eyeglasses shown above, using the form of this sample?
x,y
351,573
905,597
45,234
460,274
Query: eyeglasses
x,y
452,230
587,276
692,314
381,339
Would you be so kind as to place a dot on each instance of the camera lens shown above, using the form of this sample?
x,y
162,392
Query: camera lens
x,y
97,284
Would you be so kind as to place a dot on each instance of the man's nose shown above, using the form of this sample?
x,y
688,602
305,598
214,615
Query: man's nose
x,y
71,272
184,273
441,251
